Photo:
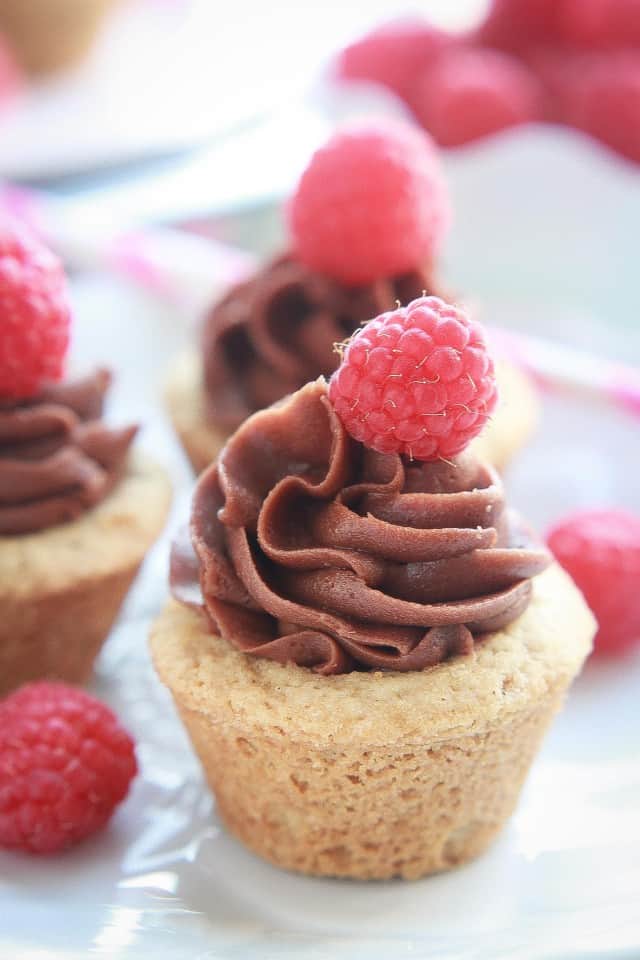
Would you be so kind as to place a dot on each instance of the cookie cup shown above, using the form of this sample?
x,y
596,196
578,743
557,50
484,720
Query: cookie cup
x,y
510,428
49,35
374,775
62,588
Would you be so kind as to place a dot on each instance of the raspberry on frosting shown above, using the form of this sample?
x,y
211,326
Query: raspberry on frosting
x,y
372,203
418,381
469,94
34,313
65,764
601,551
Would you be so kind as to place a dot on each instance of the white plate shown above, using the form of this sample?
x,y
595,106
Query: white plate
x,y
166,881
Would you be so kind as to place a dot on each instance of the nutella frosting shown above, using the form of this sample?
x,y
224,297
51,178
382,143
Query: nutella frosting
x,y
276,331
307,547
57,457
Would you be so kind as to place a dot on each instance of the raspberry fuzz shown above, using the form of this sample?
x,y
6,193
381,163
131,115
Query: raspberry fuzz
x,y
371,204
418,380
65,764
34,313
601,551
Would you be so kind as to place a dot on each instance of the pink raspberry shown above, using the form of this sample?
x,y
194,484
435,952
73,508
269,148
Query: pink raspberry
x,y
518,25
372,203
601,551
65,764
34,313
417,381
599,24
393,54
469,94
602,97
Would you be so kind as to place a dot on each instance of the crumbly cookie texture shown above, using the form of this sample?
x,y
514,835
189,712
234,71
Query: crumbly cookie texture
x,y
509,429
374,775
61,588
185,399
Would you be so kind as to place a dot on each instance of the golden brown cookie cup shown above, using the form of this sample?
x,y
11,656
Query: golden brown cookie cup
x,y
49,35
511,426
62,588
374,775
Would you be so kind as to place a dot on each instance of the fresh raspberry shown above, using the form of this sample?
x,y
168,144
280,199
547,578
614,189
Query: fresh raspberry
x,y
393,54
65,764
469,94
371,203
601,551
34,313
417,380
599,24
602,97
518,25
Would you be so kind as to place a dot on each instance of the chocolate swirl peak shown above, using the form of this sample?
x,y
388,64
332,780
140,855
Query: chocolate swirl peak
x,y
276,331
57,457
308,547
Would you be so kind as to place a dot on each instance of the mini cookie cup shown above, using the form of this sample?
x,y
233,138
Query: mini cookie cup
x,y
62,588
374,775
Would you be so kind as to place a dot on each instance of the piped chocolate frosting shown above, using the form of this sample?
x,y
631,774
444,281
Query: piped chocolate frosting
x,y
275,332
57,457
307,547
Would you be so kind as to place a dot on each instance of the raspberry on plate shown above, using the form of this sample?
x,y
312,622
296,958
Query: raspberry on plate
x,y
603,99
372,203
599,24
34,313
518,25
601,551
418,381
469,94
65,764
393,54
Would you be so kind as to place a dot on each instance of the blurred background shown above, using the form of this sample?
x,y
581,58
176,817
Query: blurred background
x,y
189,113
153,143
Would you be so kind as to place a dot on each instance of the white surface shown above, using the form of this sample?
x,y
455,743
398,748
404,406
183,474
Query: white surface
x,y
165,881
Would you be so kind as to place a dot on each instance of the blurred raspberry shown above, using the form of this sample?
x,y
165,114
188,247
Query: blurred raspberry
x,y
518,25
601,551
599,93
469,94
599,24
34,313
65,764
393,54
372,203
417,381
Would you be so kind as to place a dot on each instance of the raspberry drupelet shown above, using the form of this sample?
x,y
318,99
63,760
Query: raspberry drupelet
x,y
418,380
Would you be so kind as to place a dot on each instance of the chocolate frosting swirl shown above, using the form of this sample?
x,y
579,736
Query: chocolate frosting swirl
x,y
307,547
57,457
276,331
